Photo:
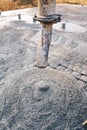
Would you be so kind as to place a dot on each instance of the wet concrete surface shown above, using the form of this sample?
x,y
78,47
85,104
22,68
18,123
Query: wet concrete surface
x,y
60,103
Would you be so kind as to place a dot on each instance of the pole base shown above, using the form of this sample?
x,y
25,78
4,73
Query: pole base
x,y
40,65
42,57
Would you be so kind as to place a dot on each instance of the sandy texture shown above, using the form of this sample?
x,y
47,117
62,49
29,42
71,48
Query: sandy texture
x,y
54,98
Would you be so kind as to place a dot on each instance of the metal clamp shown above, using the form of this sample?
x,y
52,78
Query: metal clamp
x,y
47,19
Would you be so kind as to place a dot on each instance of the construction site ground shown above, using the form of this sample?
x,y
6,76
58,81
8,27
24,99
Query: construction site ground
x,y
67,67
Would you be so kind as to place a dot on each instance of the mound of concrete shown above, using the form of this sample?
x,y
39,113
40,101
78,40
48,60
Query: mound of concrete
x,y
42,99
54,98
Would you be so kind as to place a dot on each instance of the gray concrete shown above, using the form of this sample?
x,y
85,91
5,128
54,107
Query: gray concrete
x,y
54,98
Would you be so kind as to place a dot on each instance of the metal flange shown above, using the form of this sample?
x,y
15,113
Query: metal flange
x,y
47,19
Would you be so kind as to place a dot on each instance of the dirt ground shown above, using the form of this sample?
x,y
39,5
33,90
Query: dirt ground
x,y
54,98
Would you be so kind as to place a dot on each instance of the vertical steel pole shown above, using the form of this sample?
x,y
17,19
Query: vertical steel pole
x,y
46,8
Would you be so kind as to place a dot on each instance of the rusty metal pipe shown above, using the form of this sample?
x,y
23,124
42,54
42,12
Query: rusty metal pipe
x,y
43,48
47,17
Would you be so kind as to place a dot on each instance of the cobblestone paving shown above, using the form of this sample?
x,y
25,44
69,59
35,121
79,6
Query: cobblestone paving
x,y
79,76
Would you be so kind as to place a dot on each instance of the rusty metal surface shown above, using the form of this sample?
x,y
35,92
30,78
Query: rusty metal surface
x,y
43,48
48,19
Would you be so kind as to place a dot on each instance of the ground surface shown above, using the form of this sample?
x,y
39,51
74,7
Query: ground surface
x,y
54,98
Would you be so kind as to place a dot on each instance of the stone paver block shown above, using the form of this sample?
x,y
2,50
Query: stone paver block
x,y
68,70
84,78
62,68
76,74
